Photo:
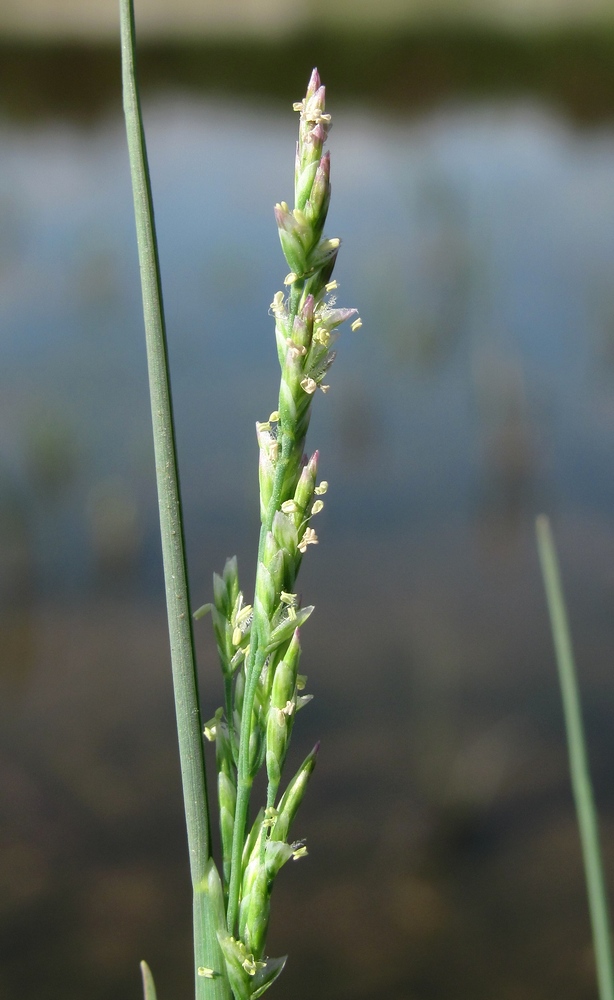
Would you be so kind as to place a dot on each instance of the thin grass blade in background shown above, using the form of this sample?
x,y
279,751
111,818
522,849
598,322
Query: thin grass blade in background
x,y
578,760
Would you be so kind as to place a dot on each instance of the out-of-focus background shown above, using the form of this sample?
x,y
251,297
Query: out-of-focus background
x,y
473,185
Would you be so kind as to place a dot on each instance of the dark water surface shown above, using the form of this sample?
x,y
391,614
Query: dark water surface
x,y
479,246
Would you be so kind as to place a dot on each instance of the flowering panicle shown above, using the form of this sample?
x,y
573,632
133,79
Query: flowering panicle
x,y
259,644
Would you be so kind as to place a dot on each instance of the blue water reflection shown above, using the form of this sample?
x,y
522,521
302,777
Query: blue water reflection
x,y
479,245
479,248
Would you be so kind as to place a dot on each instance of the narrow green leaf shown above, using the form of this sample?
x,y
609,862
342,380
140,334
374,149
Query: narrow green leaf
x,y
183,660
578,760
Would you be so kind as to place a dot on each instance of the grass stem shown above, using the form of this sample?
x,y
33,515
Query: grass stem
x,y
189,726
578,760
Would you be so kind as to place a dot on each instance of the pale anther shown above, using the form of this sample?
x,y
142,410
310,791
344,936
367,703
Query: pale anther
x,y
297,350
309,538
244,613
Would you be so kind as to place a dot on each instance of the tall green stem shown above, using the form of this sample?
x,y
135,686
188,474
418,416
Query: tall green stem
x,y
189,727
578,760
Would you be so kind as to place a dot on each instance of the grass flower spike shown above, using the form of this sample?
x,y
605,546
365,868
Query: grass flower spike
x,y
259,643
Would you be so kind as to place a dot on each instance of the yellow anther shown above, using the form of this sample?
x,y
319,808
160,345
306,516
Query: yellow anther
x,y
289,507
331,286
317,507
270,816
243,614
205,972
251,965
321,489
297,350
274,417
309,538
356,325
309,385
290,278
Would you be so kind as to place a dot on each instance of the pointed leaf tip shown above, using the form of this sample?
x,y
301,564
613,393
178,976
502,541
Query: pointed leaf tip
x,y
149,989
266,976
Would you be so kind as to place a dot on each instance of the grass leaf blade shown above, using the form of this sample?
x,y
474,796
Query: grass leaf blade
x,y
578,760
183,660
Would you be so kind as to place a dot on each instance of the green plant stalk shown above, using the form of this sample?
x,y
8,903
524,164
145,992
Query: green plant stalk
x,y
189,727
578,760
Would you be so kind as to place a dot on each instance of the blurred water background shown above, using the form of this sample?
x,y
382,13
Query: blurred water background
x,y
473,185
